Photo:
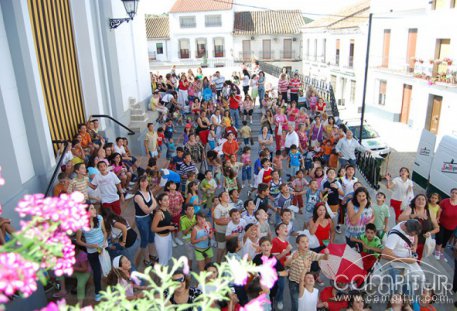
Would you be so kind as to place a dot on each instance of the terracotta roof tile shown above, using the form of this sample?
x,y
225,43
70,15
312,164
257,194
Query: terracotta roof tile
x,y
351,16
268,22
157,27
181,6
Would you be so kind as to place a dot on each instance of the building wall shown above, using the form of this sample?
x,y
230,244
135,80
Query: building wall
x,y
277,46
431,26
320,63
200,31
152,50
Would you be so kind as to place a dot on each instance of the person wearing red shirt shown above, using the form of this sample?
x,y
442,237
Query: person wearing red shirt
x,y
329,296
294,86
447,219
234,105
281,247
230,146
183,94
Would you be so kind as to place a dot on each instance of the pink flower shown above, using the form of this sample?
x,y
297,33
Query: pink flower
x,y
68,210
268,274
16,275
186,268
55,306
256,304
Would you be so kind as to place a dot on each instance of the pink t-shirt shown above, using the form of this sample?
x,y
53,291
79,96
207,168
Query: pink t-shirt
x,y
246,159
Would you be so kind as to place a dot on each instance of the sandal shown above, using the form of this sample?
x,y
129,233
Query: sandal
x,y
153,258
147,263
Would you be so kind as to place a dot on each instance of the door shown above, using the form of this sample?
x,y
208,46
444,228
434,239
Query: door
x,y
434,115
405,104
287,48
246,50
386,48
411,48
266,49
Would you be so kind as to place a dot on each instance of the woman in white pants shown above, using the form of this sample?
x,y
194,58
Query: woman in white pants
x,y
183,94
162,226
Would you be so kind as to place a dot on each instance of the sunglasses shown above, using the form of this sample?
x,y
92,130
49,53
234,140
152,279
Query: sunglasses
x,y
180,280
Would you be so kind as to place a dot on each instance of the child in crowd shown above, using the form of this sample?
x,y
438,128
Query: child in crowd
x,y
171,149
281,247
193,196
62,185
265,173
299,184
261,201
249,212
277,162
433,204
286,218
235,228
230,180
235,200
246,133
258,166
186,225
246,173
295,160
262,221
381,215
372,246
208,188
312,197
212,137
110,186
80,182
176,200
282,202
274,185
250,241
308,296
161,138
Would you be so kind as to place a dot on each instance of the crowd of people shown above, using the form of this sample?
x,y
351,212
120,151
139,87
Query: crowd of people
x,y
301,188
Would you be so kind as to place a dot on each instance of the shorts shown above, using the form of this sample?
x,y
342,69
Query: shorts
x,y
114,206
220,239
201,255
153,154
246,173
248,112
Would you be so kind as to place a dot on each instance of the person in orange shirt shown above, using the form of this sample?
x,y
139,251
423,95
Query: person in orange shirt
x,y
86,141
230,146
327,148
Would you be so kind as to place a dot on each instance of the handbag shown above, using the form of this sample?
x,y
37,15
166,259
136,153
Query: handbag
x,y
429,247
105,262
280,129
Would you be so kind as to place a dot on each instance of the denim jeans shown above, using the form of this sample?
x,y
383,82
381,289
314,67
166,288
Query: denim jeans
x,y
144,227
343,162
96,270
408,281
235,116
246,173
280,293
293,290
261,95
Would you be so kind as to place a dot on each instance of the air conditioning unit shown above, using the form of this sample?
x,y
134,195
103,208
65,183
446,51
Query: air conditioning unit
x,y
275,39
252,38
294,39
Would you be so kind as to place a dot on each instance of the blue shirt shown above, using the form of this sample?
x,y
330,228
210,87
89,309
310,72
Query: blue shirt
x,y
295,158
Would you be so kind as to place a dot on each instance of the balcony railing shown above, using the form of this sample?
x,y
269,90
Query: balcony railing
x,y
218,53
183,53
351,61
337,60
152,56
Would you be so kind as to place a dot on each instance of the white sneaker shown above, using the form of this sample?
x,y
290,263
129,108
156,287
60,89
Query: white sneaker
x,y
174,243
437,255
179,242
280,306
128,196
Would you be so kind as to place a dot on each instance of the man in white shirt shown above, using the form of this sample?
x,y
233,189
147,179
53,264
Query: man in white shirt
x,y
399,249
346,148
291,138
218,80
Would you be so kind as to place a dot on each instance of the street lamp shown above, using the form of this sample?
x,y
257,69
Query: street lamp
x,y
130,7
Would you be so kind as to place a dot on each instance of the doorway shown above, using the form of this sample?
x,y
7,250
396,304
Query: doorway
x,y
287,49
434,113
406,103
246,50
266,52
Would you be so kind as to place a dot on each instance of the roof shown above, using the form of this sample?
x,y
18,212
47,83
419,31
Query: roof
x,y
349,17
157,27
268,22
182,6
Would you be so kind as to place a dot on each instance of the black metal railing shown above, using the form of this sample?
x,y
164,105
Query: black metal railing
x,y
58,165
370,168
130,132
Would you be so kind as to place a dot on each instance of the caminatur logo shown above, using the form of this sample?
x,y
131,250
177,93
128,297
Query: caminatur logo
x,y
413,281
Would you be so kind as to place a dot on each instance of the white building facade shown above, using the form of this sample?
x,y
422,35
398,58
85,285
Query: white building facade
x,y
334,50
413,64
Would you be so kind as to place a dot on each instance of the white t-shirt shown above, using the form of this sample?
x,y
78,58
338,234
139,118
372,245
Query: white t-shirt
x,y
348,185
400,191
308,302
221,211
107,186
246,81
291,139
120,150
167,98
398,246
236,228
249,248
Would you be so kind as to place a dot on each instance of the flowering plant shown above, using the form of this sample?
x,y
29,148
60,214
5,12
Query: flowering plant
x,y
42,243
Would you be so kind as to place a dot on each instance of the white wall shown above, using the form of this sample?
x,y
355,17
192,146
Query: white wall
x,y
277,45
209,33
152,48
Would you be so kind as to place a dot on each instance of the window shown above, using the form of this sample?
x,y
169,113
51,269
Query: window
x,y
411,49
382,92
218,47
352,95
201,47
351,53
324,50
187,22
184,48
213,20
337,52
159,48
315,50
